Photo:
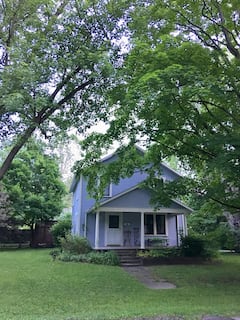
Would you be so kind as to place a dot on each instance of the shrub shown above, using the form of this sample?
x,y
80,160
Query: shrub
x,y
61,228
222,238
55,253
75,245
105,258
160,253
192,246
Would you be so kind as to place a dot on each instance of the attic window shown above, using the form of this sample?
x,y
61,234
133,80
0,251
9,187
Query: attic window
x,y
108,191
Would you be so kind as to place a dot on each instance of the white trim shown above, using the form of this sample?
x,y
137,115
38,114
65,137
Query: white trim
x,y
186,226
119,195
97,230
110,199
182,204
171,169
137,210
142,234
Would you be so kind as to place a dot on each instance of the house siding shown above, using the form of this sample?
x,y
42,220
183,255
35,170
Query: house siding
x,y
129,201
128,183
76,208
172,230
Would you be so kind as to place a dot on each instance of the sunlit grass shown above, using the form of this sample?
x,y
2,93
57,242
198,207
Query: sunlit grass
x,y
33,287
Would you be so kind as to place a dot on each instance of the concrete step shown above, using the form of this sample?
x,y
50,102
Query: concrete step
x,y
128,257
132,264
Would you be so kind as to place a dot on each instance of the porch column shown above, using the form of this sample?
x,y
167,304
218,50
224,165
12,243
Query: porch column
x,y
185,225
97,230
142,231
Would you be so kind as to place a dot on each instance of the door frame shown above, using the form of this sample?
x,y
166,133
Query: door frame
x,y
120,214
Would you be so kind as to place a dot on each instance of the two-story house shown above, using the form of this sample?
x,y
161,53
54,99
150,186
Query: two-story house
x,y
125,218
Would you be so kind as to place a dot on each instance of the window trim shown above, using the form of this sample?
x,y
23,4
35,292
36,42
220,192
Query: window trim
x,y
154,214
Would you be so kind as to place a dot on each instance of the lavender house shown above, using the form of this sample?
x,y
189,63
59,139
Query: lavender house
x,y
125,217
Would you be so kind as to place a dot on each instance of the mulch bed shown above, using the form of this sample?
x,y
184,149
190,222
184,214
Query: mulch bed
x,y
147,261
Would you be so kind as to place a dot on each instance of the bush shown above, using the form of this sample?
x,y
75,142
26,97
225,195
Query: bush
x,y
222,238
61,228
105,258
75,245
160,253
192,246
55,253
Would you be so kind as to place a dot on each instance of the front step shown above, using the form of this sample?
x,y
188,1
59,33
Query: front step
x,y
128,257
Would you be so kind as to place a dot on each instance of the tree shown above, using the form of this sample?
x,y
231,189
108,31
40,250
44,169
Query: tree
x,y
61,228
180,95
5,209
34,186
56,61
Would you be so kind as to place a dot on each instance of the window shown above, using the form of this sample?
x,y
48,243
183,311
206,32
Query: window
x,y
154,224
108,191
114,221
160,224
149,224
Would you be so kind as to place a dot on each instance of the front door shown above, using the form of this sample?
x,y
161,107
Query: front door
x,y
114,229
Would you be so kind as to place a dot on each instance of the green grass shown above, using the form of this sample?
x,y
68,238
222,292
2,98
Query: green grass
x,y
33,287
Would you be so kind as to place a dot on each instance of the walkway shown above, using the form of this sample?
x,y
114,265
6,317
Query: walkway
x,y
144,275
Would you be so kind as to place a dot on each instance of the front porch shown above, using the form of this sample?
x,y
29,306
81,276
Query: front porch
x,y
137,229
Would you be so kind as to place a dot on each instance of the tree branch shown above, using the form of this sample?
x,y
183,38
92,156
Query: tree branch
x,y
23,139
225,204
201,101
46,113
235,52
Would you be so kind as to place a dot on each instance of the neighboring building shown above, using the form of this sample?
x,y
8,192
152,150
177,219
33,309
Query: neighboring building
x,y
125,217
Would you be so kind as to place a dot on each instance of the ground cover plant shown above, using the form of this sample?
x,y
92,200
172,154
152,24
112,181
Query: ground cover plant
x,y
77,249
191,247
34,287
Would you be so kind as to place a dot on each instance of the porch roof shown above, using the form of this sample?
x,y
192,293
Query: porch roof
x,y
136,199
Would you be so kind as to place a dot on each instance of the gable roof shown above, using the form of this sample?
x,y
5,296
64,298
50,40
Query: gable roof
x,y
110,156
130,190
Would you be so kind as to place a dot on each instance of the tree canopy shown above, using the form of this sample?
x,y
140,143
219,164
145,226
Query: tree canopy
x,y
34,186
56,60
179,95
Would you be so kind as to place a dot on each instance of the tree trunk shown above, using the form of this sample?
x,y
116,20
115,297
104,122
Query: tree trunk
x,y
32,240
11,155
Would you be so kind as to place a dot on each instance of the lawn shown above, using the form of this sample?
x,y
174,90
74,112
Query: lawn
x,y
33,287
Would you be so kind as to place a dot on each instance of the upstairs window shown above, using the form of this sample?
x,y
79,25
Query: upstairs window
x,y
108,191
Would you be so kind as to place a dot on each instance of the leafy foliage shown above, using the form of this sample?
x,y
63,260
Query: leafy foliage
x,y
179,96
34,186
5,209
106,258
192,246
56,60
61,228
75,245
210,222
78,249
160,253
